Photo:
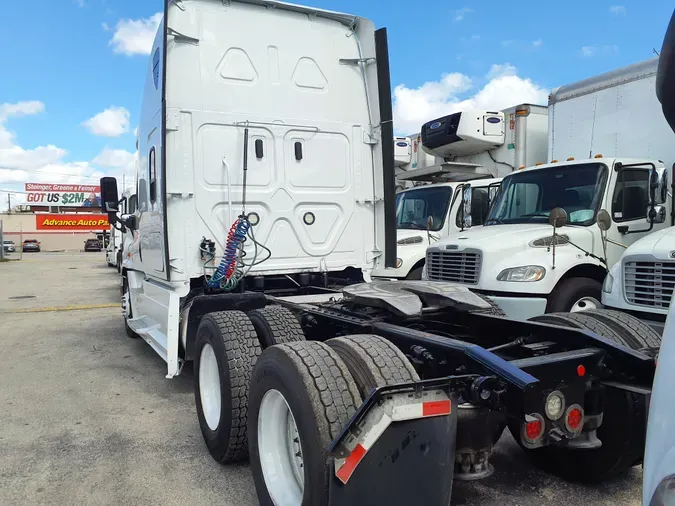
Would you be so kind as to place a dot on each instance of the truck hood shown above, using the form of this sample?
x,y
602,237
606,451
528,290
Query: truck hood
x,y
660,244
513,238
404,233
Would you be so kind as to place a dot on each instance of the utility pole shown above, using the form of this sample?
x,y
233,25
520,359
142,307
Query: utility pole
x,y
9,203
2,243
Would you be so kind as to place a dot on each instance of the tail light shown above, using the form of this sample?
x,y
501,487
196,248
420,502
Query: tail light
x,y
533,428
574,418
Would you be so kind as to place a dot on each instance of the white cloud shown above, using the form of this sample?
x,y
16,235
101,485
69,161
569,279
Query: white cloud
x,y
40,164
114,158
461,13
20,109
617,10
135,36
596,50
112,122
16,110
414,107
497,70
537,43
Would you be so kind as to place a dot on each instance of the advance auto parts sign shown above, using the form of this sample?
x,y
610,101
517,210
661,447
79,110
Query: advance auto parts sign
x,y
72,222
73,195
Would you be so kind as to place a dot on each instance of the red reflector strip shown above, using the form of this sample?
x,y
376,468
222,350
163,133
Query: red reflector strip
x,y
345,472
436,408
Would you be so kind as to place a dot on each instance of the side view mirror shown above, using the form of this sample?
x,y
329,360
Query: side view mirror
x,y
660,193
129,221
467,206
654,181
430,222
604,220
109,198
656,215
558,217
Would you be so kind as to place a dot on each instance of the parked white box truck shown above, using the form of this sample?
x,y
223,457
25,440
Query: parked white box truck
x,y
624,152
463,174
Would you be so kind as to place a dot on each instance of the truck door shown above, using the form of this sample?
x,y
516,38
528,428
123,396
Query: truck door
x,y
628,206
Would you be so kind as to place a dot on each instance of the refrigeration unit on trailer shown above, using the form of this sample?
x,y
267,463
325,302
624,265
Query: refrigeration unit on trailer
x,y
471,150
265,195
624,155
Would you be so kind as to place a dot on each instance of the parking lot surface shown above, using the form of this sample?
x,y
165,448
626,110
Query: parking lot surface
x,y
87,416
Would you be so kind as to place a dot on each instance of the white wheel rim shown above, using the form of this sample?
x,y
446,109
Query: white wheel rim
x,y
209,387
584,304
280,450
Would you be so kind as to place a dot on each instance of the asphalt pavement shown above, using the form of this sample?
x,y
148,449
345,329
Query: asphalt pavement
x,y
88,417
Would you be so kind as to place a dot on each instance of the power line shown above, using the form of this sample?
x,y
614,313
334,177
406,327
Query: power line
x,y
66,174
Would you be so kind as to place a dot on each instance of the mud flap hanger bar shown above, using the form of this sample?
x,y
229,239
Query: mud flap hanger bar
x,y
434,393
401,434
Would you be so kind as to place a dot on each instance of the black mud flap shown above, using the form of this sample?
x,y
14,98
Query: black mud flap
x,y
398,449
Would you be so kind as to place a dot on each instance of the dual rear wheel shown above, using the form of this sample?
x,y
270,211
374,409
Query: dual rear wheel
x,y
263,391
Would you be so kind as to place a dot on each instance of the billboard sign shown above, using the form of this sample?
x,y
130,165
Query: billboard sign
x,y
72,222
71,195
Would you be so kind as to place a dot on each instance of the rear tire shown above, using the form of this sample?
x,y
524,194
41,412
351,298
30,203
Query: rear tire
x,y
321,396
373,361
575,294
622,432
275,325
226,349
580,321
633,331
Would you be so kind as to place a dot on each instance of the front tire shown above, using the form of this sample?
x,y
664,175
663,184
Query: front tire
x,y
126,295
415,274
301,397
226,350
575,294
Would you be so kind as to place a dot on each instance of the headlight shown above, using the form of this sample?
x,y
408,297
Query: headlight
x,y
410,240
399,263
526,273
608,283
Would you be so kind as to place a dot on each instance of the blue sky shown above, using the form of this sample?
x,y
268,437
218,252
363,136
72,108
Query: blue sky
x,y
66,61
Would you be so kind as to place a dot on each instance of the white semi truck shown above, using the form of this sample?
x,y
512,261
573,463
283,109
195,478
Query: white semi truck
x,y
624,154
659,463
462,174
265,195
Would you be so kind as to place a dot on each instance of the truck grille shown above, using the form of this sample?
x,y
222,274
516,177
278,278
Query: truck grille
x,y
649,283
454,266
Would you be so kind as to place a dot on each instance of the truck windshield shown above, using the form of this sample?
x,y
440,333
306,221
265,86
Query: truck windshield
x,y
413,207
529,197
